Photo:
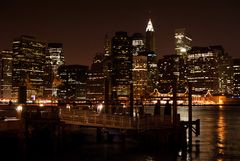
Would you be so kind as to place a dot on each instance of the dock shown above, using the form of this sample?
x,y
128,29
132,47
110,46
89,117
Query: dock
x,y
59,121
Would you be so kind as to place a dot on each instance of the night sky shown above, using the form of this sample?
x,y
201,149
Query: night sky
x,y
81,25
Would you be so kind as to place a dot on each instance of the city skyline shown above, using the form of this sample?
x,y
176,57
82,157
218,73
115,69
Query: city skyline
x,y
81,26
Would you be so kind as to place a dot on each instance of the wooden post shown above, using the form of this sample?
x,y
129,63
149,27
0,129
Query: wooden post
x,y
131,99
190,114
174,102
106,93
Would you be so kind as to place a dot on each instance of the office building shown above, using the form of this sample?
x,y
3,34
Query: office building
x,y
96,79
151,57
182,42
168,68
121,67
182,46
139,67
29,55
209,70
236,77
73,82
55,58
150,37
225,70
6,74
56,55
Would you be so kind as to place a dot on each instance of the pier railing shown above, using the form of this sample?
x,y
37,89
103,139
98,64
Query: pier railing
x,y
103,120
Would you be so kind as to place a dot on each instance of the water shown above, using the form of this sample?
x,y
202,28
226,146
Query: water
x,y
220,133
219,141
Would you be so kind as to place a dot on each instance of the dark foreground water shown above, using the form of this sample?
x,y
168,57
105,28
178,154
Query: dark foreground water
x,y
219,140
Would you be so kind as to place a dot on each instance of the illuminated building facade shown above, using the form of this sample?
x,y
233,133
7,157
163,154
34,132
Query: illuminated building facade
x,y
151,57
107,61
6,74
48,79
55,58
168,68
150,37
95,84
29,55
225,71
152,68
121,67
107,46
139,66
209,69
107,68
138,46
236,77
56,55
182,46
182,42
74,82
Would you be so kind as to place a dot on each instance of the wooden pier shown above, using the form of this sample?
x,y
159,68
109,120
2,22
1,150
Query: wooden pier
x,y
103,120
62,120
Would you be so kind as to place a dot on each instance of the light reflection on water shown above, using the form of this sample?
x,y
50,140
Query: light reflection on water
x,y
220,132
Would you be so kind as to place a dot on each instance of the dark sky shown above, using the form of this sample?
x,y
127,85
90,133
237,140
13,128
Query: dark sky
x,y
81,25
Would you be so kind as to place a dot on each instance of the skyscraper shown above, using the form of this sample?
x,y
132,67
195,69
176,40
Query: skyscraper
x,y
225,70
150,37
182,42
74,82
28,66
209,69
55,58
151,57
182,46
138,45
168,71
121,74
56,55
6,74
139,66
107,46
95,83
236,77
107,57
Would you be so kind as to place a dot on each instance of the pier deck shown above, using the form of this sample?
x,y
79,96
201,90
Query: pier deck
x,y
84,118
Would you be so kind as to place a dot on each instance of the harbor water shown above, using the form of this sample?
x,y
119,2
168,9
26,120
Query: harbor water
x,y
220,133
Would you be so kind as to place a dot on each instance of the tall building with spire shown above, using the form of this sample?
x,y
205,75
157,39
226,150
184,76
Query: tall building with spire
x,y
150,37
151,57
